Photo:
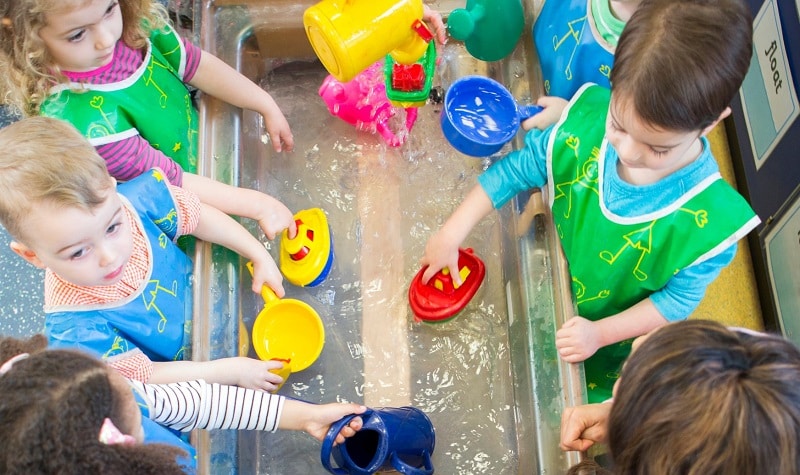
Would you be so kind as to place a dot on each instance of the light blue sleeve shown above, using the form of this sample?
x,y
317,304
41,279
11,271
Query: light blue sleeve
x,y
684,291
520,170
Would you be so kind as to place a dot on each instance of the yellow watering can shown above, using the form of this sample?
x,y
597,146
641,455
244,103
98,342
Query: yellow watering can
x,y
350,35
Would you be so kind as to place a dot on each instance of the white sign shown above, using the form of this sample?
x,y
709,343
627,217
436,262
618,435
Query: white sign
x,y
782,245
769,99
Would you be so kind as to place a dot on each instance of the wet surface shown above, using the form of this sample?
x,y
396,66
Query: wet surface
x,y
473,374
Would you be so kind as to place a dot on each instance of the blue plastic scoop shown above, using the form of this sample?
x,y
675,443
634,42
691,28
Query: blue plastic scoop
x,y
480,115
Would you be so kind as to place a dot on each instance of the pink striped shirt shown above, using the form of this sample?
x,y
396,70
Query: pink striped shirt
x,y
132,156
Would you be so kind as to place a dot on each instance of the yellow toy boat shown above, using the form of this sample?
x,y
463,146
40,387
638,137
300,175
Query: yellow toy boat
x,y
306,260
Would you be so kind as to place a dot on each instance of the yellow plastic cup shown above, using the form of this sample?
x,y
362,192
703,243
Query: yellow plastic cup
x,y
287,329
348,36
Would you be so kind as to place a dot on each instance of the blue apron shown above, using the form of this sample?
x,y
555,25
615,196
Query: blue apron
x,y
571,52
156,318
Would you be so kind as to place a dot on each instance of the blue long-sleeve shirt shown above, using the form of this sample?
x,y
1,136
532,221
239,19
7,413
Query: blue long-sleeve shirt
x,y
527,168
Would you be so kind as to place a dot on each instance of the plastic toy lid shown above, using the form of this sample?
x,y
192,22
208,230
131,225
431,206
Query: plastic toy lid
x,y
439,299
289,329
306,260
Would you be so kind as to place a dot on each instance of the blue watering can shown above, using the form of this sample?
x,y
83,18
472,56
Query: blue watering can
x,y
391,438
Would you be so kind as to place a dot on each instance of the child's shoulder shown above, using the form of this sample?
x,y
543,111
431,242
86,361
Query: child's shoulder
x,y
149,193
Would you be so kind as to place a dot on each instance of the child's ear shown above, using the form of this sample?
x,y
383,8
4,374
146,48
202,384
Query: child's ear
x,y
725,113
26,253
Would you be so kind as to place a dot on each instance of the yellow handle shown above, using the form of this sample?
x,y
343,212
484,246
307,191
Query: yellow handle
x,y
266,292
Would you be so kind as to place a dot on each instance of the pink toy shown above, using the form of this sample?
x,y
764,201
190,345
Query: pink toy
x,y
362,102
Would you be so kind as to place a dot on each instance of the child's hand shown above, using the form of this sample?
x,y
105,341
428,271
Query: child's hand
x,y
577,340
440,252
273,217
265,272
254,374
277,128
320,418
582,426
434,19
553,107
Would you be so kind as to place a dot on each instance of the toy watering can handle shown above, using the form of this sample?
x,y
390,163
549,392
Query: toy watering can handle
x,y
406,469
266,293
330,438
528,111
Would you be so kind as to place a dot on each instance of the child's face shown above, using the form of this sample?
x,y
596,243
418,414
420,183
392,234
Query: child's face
x,y
83,38
647,154
82,247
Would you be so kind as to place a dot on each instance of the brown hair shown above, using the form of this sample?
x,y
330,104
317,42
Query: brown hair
x,y
53,405
27,72
699,398
47,160
679,63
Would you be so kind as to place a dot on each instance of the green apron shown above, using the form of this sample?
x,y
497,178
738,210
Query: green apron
x,y
153,102
617,262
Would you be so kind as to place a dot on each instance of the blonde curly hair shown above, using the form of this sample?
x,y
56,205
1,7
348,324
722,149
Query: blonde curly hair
x,y
27,71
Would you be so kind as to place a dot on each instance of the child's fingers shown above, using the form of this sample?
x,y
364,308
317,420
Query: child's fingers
x,y
275,284
429,272
356,424
292,228
273,364
287,139
570,355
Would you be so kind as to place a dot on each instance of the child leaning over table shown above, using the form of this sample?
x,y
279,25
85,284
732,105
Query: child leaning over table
x,y
645,220
118,72
95,421
575,42
116,283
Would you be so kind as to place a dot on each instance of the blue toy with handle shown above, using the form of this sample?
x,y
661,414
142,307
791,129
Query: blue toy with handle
x,y
392,438
480,115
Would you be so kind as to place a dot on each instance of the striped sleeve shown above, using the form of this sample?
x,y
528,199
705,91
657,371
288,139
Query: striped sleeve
x,y
193,405
192,59
130,157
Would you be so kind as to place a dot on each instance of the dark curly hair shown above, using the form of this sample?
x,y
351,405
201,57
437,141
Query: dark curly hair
x,y
52,407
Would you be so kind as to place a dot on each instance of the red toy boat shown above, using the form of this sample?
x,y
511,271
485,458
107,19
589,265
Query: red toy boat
x,y
439,299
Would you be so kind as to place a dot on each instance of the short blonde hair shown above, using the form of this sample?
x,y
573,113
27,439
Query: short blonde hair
x,y
47,160
27,72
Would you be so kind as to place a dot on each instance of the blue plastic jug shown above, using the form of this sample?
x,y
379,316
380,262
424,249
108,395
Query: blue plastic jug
x,y
392,438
